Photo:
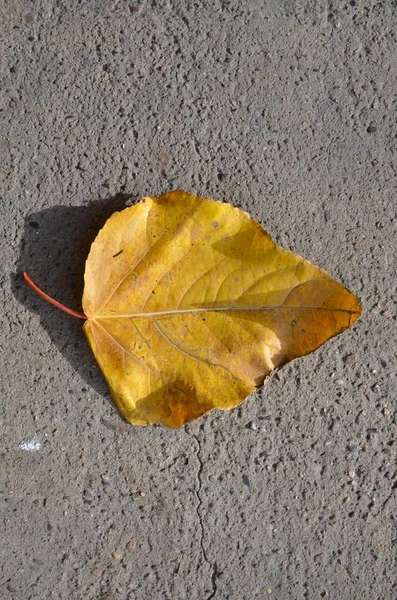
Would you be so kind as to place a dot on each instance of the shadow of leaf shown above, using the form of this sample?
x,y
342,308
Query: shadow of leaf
x,y
53,250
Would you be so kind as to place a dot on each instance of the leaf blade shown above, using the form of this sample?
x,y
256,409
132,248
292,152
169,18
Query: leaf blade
x,y
203,310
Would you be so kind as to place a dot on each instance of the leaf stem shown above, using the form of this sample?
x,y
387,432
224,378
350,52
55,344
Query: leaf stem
x,y
38,291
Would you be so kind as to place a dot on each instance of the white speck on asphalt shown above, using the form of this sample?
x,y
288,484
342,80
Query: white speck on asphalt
x,y
31,446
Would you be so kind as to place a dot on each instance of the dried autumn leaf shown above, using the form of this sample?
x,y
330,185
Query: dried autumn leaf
x,y
190,305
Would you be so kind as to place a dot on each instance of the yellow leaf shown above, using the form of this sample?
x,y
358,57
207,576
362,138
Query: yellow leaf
x,y
190,305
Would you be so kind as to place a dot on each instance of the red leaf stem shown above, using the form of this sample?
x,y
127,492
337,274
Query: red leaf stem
x,y
38,291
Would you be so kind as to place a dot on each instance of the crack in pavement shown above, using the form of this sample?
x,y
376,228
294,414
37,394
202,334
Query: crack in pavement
x,y
213,566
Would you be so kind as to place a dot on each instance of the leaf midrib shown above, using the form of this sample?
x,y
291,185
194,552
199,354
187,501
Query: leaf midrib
x,y
165,313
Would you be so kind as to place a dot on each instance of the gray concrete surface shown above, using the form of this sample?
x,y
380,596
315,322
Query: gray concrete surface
x,y
285,109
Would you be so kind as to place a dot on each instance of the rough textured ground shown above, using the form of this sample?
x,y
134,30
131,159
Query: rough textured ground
x,y
284,109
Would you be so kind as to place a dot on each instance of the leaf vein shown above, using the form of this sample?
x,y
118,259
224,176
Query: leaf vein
x,y
167,313
124,349
198,358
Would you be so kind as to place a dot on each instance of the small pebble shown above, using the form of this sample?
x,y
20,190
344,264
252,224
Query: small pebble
x,y
352,474
29,18
253,426
116,555
66,559
97,573
371,433
372,129
360,416
130,544
354,448
265,454
109,424
351,359
246,481
105,477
